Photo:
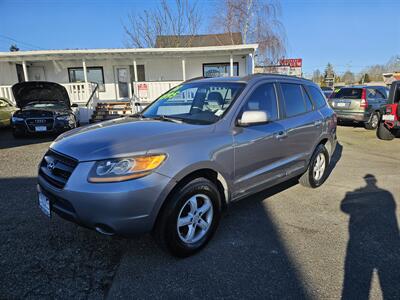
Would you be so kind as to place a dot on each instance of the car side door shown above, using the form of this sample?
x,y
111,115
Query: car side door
x,y
372,99
303,125
258,147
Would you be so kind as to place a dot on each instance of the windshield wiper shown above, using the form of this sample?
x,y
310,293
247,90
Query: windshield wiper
x,y
167,118
158,117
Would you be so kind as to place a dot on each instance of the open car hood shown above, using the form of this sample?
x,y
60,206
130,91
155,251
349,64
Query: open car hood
x,y
32,91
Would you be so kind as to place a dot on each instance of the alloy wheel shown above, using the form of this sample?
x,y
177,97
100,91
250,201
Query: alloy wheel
x,y
319,167
195,218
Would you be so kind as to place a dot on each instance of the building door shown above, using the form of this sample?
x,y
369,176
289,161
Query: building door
x,y
20,73
36,74
122,79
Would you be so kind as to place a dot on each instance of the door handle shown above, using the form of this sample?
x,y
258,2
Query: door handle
x,y
318,123
281,135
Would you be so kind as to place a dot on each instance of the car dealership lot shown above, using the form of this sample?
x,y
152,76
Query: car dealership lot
x,y
288,242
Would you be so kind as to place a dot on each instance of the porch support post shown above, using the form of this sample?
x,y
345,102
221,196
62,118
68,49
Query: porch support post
x,y
135,70
231,65
183,69
84,70
25,69
251,62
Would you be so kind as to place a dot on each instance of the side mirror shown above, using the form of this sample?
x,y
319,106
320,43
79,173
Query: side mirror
x,y
253,117
74,105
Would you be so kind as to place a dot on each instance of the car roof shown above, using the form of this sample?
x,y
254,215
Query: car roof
x,y
249,78
360,86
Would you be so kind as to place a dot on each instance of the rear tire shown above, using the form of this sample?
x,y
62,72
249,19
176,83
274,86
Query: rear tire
x,y
317,170
383,133
189,219
373,122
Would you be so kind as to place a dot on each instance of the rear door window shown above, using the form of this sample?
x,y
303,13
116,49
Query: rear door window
x,y
293,99
316,95
349,93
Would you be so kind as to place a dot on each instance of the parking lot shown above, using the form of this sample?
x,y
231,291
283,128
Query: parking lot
x,y
288,242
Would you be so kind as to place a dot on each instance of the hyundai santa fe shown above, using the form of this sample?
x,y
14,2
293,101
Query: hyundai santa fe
x,y
174,167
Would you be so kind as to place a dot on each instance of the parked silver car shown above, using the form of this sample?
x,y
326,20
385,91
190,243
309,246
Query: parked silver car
x,y
200,146
359,104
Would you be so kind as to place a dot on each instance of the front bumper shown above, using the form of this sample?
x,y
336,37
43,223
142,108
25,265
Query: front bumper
x,y
352,116
124,208
58,126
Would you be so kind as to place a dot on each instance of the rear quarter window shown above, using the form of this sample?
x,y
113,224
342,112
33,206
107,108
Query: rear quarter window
x,y
317,96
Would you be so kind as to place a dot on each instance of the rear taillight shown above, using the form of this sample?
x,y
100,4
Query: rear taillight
x,y
388,109
364,102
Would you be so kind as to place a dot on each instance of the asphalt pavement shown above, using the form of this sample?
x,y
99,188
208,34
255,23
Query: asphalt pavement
x,y
340,240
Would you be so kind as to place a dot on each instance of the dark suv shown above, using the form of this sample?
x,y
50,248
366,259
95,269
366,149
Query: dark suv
x,y
200,146
359,104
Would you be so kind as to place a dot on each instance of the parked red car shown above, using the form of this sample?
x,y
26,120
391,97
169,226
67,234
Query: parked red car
x,y
389,126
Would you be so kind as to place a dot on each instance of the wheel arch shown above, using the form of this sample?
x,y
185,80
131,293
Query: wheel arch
x,y
191,173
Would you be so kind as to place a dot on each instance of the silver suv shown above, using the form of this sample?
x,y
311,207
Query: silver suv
x,y
171,169
359,104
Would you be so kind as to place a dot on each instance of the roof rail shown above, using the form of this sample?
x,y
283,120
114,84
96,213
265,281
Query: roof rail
x,y
276,75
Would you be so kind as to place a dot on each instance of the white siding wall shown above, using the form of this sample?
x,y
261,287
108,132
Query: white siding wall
x,y
8,73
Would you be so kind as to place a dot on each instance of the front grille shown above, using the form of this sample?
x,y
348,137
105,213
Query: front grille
x,y
32,123
56,168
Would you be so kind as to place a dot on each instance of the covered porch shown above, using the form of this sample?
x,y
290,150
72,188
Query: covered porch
x,y
123,74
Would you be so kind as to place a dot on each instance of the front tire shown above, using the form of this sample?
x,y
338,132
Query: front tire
x,y
373,121
317,170
189,219
383,133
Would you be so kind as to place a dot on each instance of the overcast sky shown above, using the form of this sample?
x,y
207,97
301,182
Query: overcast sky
x,y
350,34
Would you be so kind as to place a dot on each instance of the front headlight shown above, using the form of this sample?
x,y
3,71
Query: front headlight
x,y
122,169
63,118
17,119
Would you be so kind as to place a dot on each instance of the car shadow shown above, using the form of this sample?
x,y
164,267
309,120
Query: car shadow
x,y
335,158
351,124
374,242
246,259
57,259
8,141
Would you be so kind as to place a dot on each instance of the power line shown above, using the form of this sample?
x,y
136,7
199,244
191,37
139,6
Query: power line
x,y
21,42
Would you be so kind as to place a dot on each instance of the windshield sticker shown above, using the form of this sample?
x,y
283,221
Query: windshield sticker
x,y
219,112
172,93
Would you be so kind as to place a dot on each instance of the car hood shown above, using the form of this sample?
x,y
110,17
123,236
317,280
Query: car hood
x,y
124,137
27,111
33,91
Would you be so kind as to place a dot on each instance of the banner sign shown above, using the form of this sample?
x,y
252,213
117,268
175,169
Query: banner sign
x,y
291,62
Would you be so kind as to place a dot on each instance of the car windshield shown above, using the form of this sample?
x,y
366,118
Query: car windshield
x,y
350,93
197,102
48,105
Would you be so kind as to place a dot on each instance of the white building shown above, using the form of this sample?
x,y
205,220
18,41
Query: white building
x,y
123,74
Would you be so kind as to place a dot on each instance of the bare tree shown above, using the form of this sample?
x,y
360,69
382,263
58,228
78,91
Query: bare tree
x,y
172,20
348,77
316,77
258,22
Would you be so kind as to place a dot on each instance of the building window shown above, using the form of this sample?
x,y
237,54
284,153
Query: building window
x,y
94,74
220,70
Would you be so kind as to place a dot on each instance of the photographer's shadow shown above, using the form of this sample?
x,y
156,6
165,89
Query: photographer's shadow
x,y
374,242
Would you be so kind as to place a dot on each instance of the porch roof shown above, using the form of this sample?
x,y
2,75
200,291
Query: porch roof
x,y
48,55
